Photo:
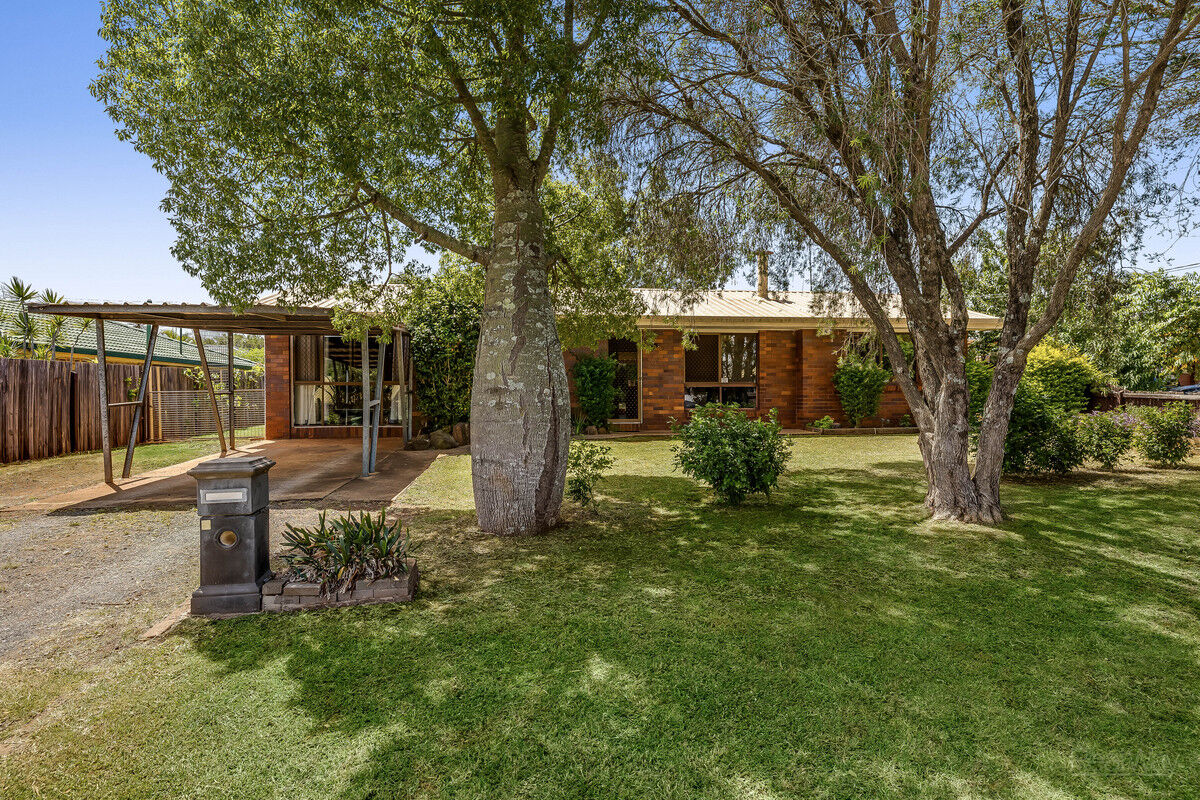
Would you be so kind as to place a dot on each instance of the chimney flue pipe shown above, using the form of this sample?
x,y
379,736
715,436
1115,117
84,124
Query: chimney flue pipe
x,y
764,287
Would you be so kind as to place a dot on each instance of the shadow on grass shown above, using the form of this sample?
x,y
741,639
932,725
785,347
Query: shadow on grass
x,y
827,640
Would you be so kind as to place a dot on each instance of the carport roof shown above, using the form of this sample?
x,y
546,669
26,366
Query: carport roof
x,y
262,319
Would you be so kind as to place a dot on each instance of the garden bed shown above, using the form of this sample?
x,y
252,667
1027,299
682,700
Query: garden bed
x,y
858,431
280,594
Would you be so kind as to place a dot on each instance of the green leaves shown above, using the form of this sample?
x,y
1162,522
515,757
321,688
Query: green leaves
x,y
340,553
594,386
859,383
587,461
734,454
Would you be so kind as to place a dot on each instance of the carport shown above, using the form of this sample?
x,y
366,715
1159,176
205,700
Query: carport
x,y
262,320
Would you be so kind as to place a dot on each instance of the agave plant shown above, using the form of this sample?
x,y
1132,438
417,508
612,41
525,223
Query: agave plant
x,y
337,554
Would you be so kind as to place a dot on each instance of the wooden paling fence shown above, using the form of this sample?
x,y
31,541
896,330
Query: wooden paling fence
x,y
48,408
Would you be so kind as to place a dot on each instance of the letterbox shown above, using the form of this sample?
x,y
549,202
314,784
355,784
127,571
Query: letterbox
x,y
232,497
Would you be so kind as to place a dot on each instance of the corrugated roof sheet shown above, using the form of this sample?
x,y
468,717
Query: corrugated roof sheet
x,y
778,307
121,340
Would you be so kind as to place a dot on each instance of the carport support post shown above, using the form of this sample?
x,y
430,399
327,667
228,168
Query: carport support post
x,y
102,384
229,383
366,405
378,403
212,393
151,338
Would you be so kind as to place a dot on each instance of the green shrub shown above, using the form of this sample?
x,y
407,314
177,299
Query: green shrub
x,y
979,383
859,384
1041,438
595,388
442,313
736,455
340,553
1063,375
587,462
1163,436
1106,438
825,423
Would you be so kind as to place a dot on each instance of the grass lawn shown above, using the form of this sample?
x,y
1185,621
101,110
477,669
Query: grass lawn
x,y
25,481
828,642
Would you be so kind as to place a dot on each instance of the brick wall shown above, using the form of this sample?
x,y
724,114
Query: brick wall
x,y
779,374
662,381
795,376
818,396
818,360
278,387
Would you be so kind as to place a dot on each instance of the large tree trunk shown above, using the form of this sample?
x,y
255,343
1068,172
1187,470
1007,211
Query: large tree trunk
x,y
520,405
952,491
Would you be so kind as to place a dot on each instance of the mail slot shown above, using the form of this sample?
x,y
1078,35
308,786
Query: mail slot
x,y
232,498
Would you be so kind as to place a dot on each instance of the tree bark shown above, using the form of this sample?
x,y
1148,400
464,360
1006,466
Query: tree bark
x,y
520,404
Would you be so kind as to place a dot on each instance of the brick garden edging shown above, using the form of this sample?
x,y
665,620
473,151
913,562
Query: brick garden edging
x,y
283,595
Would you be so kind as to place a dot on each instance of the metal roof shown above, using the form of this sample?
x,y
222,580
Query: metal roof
x,y
778,309
262,318
121,339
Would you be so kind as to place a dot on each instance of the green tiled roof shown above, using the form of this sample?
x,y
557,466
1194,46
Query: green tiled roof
x,y
121,340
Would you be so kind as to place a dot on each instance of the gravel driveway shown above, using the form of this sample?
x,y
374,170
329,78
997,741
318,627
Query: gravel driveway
x,y
90,582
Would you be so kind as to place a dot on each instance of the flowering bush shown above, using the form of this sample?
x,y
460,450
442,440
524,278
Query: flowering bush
x,y
736,455
1164,436
1107,438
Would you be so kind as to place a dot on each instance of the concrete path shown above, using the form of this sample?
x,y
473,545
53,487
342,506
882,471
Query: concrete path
x,y
319,471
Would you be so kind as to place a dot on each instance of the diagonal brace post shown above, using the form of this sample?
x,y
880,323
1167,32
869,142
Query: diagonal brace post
x,y
212,393
143,381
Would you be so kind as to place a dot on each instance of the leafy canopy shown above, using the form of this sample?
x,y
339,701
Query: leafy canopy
x,y
308,145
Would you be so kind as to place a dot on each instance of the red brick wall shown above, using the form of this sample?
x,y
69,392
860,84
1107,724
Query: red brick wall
x,y
779,374
818,359
278,385
818,396
662,381
795,376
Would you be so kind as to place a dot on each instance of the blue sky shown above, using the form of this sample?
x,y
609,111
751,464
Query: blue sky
x,y
78,209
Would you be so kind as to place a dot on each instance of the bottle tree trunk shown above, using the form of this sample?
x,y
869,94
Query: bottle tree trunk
x,y
520,404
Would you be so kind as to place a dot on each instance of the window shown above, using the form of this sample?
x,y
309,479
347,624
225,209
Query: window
x,y
722,368
628,378
327,381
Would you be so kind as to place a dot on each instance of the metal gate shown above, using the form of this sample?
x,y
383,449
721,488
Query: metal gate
x,y
176,415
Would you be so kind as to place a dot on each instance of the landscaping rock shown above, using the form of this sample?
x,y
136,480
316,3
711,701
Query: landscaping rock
x,y
442,440
590,430
461,433
417,443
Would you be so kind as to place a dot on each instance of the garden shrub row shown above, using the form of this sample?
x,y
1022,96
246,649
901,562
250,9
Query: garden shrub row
x,y
1046,434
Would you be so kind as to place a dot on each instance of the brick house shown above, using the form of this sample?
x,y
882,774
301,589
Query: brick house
x,y
760,349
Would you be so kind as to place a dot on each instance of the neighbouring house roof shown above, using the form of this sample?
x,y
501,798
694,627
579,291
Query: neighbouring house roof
x,y
121,340
740,308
